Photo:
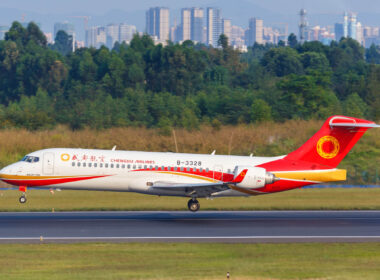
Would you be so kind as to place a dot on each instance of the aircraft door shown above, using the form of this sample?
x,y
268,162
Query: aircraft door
x,y
218,172
48,164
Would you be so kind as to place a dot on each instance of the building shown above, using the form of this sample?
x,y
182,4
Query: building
x,y
303,26
112,35
186,24
339,31
214,26
359,34
345,25
352,26
49,37
255,32
126,32
158,23
96,37
197,25
90,37
226,29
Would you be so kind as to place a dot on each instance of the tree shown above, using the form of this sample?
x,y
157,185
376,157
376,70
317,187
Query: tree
x,y
292,40
261,111
372,55
282,61
63,43
354,106
17,33
34,33
223,41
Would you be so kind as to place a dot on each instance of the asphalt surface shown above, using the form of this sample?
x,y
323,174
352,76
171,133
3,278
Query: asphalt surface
x,y
218,226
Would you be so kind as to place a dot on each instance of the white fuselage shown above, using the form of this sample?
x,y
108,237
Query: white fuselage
x,y
130,171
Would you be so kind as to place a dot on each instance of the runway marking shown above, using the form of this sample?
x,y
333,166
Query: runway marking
x,y
189,237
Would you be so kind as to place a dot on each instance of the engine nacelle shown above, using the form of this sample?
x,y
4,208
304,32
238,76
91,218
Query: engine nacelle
x,y
256,177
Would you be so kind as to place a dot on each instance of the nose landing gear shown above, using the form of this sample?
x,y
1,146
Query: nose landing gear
x,y
193,205
22,198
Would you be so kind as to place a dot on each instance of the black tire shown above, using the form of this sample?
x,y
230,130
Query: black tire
x,y
22,199
193,205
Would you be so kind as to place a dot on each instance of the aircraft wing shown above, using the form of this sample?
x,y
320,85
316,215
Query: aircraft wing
x,y
203,189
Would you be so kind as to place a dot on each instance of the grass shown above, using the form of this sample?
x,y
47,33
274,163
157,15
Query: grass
x,y
301,199
190,261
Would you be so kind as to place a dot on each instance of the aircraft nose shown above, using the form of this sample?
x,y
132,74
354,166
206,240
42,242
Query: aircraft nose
x,y
5,171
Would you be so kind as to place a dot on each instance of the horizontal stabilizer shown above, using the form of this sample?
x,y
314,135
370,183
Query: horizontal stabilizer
x,y
349,125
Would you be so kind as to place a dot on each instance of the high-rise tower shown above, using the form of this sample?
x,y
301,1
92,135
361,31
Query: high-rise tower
x,y
157,23
197,24
214,26
255,31
303,26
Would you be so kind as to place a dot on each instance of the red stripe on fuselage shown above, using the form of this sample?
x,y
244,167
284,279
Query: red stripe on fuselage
x,y
48,182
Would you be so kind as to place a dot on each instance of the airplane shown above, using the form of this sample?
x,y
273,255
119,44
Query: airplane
x,y
191,175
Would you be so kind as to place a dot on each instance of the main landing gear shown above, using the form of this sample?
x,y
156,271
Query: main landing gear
x,y
22,199
193,205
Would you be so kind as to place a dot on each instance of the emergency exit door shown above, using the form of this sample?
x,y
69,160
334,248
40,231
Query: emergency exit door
x,y
48,165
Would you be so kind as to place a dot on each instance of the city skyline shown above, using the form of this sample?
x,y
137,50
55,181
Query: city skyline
x,y
116,11
205,25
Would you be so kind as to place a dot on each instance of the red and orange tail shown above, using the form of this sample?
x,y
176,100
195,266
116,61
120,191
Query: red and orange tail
x,y
327,147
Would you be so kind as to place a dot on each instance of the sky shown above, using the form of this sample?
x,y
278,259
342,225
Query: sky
x,y
100,6
322,12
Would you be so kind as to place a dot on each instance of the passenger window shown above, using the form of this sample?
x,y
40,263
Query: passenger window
x,y
73,163
123,166
145,167
156,167
181,168
201,170
129,166
84,164
195,169
111,165
207,169
95,164
140,166
78,164
100,164
117,166
106,165
134,166
188,169
90,164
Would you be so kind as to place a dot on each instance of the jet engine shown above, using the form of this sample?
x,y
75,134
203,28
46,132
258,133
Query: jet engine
x,y
255,177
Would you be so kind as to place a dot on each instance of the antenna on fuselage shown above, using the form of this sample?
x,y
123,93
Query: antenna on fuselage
x,y
213,153
114,148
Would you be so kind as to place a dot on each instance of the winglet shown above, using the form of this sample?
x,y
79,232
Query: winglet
x,y
239,178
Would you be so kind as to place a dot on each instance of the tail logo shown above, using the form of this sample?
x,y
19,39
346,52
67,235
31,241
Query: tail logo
x,y
328,147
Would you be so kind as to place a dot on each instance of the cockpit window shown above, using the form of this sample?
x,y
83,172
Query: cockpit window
x,y
30,159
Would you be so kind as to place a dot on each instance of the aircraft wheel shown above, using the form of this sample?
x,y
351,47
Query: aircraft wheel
x,y
22,199
193,205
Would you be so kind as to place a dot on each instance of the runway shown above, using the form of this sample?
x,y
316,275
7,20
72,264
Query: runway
x,y
216,226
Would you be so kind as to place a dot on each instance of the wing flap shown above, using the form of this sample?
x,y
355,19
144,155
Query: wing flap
x,y
202,189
